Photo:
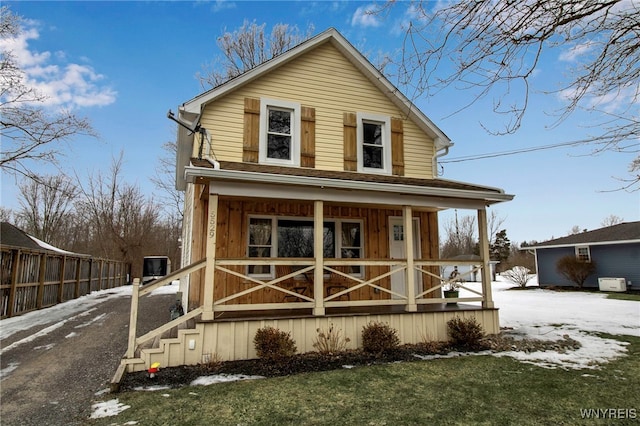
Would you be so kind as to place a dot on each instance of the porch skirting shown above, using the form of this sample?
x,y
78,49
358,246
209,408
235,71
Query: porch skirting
x,y
230,338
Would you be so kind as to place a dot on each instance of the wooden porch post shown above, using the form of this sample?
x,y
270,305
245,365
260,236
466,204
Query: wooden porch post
x,y
484,256
407,215
133,318
209,274
318,252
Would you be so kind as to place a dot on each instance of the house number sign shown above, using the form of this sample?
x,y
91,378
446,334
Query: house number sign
x,y
212,225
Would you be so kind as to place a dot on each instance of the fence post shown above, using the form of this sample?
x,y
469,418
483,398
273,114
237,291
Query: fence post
x,y
76,290
63,267
15,269
133,318
41,275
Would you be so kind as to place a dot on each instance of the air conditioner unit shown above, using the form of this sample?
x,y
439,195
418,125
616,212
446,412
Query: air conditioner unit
x,y
612,284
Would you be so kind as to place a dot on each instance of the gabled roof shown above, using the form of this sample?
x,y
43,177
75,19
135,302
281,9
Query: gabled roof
x,y
192,108
627,232
15,237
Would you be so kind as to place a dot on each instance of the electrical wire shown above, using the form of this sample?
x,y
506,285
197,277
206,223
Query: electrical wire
x,y
513,152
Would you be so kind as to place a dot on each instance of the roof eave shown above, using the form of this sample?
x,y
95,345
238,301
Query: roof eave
x,y
591,243
488,197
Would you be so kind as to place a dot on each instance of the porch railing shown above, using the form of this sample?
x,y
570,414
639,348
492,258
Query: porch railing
x,y
307,267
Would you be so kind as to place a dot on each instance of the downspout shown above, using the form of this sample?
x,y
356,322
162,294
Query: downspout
x,y
440,152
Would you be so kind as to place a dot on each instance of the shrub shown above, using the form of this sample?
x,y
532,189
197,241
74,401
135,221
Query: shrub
x,y
518,275
211,362
331,341
574,269
273,344
378,338
465,333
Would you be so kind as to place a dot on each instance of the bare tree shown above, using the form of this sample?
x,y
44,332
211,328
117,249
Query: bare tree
x,y
44,204
496,46
247,47
164,180
611,220
124,222
494,222
6,214
460,237
520,258
575,229
30,133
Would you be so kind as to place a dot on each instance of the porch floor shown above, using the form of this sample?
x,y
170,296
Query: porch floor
x,y
341,312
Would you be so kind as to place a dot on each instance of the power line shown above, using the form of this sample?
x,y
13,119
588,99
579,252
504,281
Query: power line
x,y
513,152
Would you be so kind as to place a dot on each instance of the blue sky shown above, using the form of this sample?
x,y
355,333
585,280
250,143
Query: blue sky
x,y
125,64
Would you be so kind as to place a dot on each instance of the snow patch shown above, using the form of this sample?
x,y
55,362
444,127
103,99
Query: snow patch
x,y
44,347
8,369
94,320
70,335
222,378
151,388
109,408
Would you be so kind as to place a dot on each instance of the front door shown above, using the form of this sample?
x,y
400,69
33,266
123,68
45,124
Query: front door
x,y
397,251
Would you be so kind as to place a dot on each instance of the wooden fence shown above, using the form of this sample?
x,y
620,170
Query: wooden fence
x,y
35,279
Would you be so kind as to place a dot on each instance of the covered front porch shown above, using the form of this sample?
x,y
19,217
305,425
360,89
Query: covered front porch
x,y
306,251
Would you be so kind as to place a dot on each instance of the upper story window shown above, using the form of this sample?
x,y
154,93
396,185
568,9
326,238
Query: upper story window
x,y
374,143
583,253
279,132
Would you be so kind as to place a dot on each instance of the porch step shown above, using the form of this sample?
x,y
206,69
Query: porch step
x,y
167,348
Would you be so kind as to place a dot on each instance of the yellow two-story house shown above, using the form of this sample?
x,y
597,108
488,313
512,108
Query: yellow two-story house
x,y
312,199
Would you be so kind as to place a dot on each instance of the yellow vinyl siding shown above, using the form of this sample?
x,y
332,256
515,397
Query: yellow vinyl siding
x,y
325,80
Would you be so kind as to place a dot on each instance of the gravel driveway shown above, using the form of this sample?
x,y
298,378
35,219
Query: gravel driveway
x,y
60,374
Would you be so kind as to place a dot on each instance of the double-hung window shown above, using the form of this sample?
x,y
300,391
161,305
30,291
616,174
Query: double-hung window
x,y
293,237
583,253
279,132
374,143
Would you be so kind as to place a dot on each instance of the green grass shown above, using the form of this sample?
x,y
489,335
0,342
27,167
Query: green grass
x,y
466,390
624,296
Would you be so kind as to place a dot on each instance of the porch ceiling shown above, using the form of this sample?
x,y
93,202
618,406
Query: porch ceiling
x,y
248,179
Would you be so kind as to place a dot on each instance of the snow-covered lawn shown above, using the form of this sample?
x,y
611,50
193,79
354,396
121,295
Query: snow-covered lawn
x,y
550,315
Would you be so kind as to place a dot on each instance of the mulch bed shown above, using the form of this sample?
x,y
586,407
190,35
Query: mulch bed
x,y
314,361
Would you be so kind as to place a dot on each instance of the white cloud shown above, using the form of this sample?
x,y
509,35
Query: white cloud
x,y
576,51
67,85
220,5
364,17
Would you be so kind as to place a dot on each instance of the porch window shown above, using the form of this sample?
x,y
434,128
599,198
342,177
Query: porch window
x,y
292,237
374,143
279,132
583,253
260,245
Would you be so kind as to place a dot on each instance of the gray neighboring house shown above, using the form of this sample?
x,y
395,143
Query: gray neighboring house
x,y
615,250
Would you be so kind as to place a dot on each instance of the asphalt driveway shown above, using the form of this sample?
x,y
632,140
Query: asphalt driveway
x,y
53,372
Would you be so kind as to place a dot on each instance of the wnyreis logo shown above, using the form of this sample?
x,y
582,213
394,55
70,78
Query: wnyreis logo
x,y
608,413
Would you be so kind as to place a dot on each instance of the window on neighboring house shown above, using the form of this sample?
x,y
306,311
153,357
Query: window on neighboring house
x,y
374,143
291,237
279,132
583,253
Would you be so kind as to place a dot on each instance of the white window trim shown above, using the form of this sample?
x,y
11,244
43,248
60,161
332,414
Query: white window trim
x,y
385,120
577,251
295,108
274,238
